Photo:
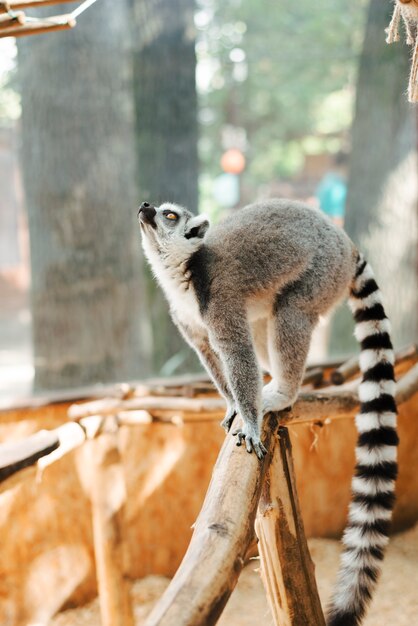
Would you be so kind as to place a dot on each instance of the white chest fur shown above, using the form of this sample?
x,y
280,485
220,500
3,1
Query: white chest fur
x,y
172,275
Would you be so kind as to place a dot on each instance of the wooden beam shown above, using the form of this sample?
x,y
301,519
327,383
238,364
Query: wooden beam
x,y
57,22
352,366
408,385
345,371
287,570
24,4
16,455
313,376
108,496
223,531
112,406
16,19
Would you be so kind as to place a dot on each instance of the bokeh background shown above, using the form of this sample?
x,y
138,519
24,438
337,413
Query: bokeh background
x,y
208,103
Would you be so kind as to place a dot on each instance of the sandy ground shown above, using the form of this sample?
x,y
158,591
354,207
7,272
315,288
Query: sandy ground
x,y
395,603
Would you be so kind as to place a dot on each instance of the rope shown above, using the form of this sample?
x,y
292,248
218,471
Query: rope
x,y
393,29
409,15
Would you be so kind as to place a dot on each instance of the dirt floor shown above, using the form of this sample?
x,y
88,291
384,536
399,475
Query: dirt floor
x,y
395,604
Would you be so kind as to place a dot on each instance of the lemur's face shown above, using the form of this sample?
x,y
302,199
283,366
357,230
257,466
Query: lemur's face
x,y
169,226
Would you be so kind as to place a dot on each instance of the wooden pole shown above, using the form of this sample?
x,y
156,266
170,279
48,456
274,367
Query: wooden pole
x,y
60,22
286,566
352,366
223,531
16,19
24,4
344,371
108,496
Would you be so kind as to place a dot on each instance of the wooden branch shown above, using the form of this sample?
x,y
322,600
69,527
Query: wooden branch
x,y
313,376
108,495
24,4
286,566
57,22
407,385
71,436
352,367
112,406
223,531
345,371
16,455
7,20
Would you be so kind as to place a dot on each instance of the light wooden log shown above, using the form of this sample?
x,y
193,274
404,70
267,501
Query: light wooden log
x,y
287,570
71,436
222,534
352,367
345,371
313,376
14,456
407,385
57,22
108,496
17,19
112,406
24,4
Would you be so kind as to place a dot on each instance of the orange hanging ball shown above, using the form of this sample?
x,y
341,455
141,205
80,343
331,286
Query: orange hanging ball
x,y
233,161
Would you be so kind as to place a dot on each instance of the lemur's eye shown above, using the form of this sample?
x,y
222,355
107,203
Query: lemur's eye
x,y
170,215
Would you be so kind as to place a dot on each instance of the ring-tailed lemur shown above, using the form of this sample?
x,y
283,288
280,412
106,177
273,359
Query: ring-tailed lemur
x,y
247,293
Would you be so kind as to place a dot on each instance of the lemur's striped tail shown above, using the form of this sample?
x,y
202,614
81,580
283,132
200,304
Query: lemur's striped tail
x,y
373,485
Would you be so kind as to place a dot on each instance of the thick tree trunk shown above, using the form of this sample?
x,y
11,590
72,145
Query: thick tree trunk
x,y
166,109
79,171
382,202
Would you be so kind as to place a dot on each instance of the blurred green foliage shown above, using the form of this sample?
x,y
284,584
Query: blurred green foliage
x,y
283,72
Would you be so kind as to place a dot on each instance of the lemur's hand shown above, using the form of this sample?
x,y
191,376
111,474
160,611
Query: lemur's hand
x,y
229,417
252,440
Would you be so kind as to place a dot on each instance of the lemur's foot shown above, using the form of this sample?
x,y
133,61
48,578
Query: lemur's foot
x,y
229,418
273,400
252,441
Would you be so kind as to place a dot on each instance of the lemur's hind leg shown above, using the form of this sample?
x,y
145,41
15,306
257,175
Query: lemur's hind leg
x,y
289,336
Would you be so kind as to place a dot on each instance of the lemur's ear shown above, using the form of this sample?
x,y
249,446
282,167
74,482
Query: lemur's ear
x,y
197,227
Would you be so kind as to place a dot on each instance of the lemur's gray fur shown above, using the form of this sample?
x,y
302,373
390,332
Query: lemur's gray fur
x,y
246,295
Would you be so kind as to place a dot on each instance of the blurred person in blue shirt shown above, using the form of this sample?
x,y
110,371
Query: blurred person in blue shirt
x,y
332,190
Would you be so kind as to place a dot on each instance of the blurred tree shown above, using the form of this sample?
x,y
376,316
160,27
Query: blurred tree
x,y
382,203
78,159
166,113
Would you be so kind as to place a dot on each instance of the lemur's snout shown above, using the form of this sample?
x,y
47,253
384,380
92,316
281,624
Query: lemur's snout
x,y
147,213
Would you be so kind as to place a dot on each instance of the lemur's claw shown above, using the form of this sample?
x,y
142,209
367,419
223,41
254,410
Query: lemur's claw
x,y
228,419
240,437
251,443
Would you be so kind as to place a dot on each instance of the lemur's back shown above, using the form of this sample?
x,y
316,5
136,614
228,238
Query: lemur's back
x,y
278,242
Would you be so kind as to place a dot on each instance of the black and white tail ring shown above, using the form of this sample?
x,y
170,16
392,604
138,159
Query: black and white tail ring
x,y
373,485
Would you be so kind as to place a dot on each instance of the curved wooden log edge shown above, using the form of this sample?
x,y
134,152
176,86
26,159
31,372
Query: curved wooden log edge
x,y
222,534
15,456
